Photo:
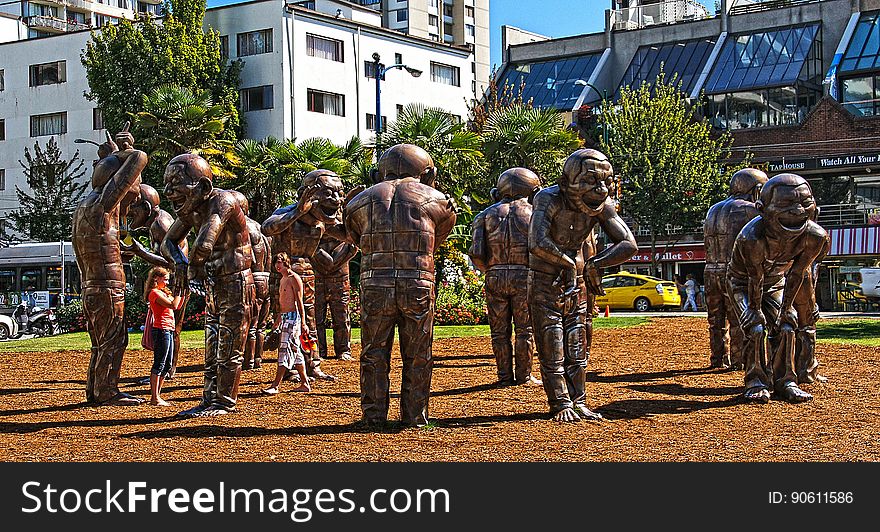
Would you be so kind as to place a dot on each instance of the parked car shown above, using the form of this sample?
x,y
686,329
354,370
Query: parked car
x,y
870,282
8,327
640,292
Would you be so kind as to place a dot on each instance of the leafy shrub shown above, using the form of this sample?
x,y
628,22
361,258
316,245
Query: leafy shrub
x,y
71,317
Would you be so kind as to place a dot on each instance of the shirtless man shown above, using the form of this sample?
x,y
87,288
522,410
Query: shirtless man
x,y
221,260
560,231
146,214
297,230
291,325
771,285
115,180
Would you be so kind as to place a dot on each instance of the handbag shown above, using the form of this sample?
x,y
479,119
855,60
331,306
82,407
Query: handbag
x,y
147,338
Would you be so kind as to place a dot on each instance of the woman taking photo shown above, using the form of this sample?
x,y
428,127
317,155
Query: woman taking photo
x,y
162,307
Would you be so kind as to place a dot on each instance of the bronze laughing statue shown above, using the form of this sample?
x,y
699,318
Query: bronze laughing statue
x,y
332,292
500,249
220,260
723,223
146,214
561,228
770,282
398,224
115,181
261,245
297,230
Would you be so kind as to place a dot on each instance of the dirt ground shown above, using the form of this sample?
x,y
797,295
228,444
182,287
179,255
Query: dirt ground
x,y
651,383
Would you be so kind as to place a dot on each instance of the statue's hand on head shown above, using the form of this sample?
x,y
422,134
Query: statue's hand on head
x,y
307,200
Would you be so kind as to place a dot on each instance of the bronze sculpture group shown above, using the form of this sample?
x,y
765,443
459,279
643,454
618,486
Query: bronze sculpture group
x,y
536,246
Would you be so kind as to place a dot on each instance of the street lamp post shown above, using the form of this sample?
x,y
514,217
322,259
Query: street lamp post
x,y
380,71
604,92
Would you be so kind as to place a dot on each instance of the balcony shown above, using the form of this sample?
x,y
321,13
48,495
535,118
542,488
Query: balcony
x,y
848,215
671,12
738,7
54,24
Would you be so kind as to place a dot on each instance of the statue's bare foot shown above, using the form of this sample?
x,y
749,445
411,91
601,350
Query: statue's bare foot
x,y
791,393
346,357
567,415
213,411
302,388
586,413
194,411
122,399
757,395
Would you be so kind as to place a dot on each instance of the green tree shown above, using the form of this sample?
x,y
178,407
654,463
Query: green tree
x,y
670,162
126,62
519,135
177,120
46,212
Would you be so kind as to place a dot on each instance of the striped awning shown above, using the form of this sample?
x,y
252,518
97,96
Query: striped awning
x,y
855,241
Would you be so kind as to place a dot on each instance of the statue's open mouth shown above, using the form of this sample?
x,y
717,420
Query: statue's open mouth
x,y
793,223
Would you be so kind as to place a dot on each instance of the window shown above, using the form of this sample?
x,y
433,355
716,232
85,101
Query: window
x,y
40,10
434,36
371,121
2,184
103,20
97,119
469,30
446,74
2,129
254,42
224,46
682,59
324,48
398,59
48,73
550,83
447,10
49,124
433,3
76,17
448,28
2,80
399,109
326,102
257,98
402,15
469,11
370,70
433,20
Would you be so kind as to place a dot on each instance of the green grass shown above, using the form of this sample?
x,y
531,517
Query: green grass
x,y
849,331
195,339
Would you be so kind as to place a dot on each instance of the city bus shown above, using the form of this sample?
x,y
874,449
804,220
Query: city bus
x,y
37,267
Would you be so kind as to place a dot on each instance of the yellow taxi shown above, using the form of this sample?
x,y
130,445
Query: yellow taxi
x,y
640,292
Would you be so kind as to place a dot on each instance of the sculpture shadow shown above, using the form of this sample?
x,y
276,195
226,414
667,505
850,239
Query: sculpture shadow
x,y
45,409
208,431
489,356
678,389
466,389
18,391
595,376
26,428
472,365
640,408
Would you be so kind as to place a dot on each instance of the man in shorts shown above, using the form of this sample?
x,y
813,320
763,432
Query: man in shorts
x,y
289,321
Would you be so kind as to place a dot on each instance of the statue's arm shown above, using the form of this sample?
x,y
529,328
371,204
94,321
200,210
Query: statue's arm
x,y
123,179
477,251
281,220
540,241
444,220
146,255
800,275
342,254
619,233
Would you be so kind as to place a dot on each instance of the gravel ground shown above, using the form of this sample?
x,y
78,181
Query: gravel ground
x,y
651,382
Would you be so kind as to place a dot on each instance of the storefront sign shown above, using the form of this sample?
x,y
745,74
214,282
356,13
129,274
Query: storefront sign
x,y
674,254
822,163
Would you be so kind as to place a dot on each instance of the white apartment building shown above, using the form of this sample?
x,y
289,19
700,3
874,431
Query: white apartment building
x,y
308,72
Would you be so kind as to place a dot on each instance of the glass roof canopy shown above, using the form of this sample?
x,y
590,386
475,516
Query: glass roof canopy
x,y
686,59
550,83
765,59
863,51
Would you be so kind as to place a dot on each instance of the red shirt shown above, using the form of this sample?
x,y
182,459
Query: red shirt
x,y
163,317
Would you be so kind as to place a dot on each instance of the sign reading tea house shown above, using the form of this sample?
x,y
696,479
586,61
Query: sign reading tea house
x,y
860,160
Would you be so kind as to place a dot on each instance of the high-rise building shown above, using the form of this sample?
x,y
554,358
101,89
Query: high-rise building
x,y
42,18
460,22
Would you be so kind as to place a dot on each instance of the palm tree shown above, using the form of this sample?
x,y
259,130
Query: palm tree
x,y
520,135
177,120
455,150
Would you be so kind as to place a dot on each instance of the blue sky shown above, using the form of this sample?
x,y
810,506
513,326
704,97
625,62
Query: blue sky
x,y
554,18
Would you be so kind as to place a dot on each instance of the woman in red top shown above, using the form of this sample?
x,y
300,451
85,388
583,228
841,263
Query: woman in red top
x,y
162,305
